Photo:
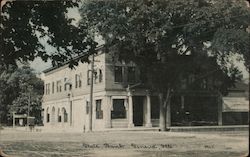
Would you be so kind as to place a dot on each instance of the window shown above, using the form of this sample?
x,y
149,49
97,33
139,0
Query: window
x,y
53,87
59,116
100,75
78,82
204,84
99,112
89,77
47,115
131,74
118,74
48,118
65,115
58,86
65,85
95,76
184,83
119,110
87,107
48,88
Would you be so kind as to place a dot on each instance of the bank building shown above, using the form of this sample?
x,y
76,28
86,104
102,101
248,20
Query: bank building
x,y
119,101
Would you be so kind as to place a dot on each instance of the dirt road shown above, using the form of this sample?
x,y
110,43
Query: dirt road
x,y
125,143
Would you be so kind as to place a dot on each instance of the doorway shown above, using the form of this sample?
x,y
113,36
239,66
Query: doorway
x,y
138,110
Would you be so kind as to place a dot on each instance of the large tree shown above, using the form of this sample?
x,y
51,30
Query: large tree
x,y
171,40
27,27
20,89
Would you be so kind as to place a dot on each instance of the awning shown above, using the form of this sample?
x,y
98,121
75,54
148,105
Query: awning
x,y
235,104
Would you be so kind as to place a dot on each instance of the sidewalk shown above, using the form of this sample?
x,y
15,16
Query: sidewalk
x,y
155,129
210,128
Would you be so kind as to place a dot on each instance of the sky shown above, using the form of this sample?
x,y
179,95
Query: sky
x,y
40,65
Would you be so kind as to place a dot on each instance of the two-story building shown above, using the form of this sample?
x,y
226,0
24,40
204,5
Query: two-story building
x,y
118,99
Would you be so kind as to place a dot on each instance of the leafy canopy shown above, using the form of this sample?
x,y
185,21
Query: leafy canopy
x,y
170,40
27,27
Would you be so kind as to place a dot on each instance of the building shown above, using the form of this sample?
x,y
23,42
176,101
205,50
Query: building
x,y
121,101
118,99
236,105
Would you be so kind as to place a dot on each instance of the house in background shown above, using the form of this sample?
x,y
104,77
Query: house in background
x,y
236,105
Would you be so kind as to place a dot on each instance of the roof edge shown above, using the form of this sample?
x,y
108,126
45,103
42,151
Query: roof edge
x,y
67,62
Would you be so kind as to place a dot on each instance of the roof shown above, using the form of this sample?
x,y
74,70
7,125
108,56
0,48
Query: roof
x,y
67,62
235,104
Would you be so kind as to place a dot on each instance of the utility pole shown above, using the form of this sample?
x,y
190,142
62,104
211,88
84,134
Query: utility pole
x,y
13,121
28,115
91,92
29,101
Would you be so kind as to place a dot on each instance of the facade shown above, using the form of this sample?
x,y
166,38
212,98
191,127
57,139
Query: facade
x,y
117,102
236,105
120,101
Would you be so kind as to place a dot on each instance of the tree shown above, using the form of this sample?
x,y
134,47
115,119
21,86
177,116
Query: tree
x,y
17,86
170,40
27,27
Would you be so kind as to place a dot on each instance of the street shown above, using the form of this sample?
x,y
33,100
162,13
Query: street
x,y
124,143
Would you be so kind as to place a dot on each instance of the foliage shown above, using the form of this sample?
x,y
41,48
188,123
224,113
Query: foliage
x,y
174,36
173,40
27,27
17,85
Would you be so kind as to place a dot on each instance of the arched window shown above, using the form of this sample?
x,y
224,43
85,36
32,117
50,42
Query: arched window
x,y
47,115
65,115
59,117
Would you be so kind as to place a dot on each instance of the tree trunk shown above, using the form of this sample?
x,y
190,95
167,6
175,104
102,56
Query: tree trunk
x,y
162,123
165,111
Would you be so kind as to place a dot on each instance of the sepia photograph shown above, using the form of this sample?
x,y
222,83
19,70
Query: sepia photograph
x,y
124,78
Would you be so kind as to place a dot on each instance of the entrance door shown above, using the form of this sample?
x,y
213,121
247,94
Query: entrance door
x,y
138,110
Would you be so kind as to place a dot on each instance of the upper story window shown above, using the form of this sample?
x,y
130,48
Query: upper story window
x,y
65,85
47,88
59,86
78,82
99,112
53,87
204,84
118,74
88,77
97,76
131,74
